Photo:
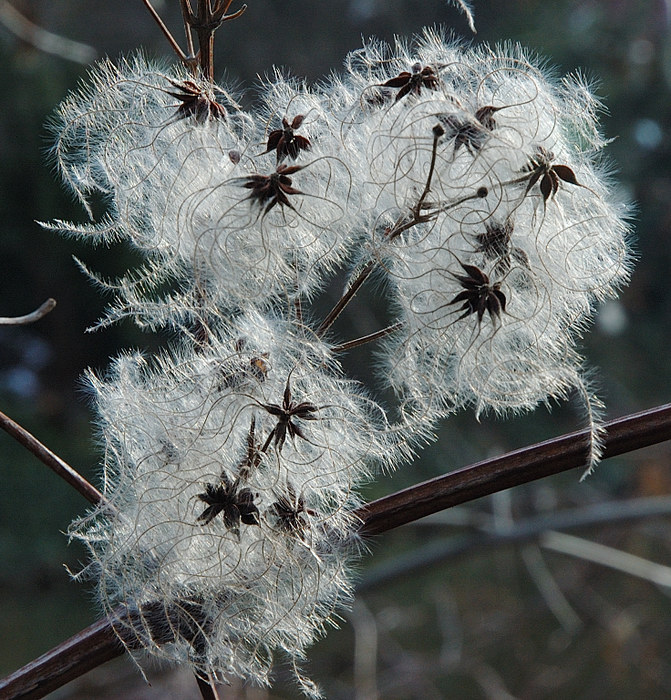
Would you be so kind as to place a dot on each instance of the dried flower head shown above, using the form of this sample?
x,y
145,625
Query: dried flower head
x,y
200,511
273,189
233,460
285,141
197,101
413,82
479,294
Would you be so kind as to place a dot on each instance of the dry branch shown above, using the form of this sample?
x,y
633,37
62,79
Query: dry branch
x,y
99,643
51,460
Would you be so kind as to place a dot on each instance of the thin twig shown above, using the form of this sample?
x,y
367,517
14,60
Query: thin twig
x,y
346,298
403,223
186,13
438,132
53,461
207,688
168,35
98,643
42,39
205,24
343,347
33,316
597,553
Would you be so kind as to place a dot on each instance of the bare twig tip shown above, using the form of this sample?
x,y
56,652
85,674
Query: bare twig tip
x,y
33,316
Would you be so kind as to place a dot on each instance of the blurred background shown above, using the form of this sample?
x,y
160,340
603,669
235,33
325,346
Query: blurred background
x,y
477,602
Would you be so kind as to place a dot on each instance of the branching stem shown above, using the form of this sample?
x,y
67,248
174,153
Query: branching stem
x,y
186,60
204,23
345,299
186,10
403,223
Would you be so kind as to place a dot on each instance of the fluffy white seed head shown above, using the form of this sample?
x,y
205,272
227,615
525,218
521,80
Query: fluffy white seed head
x,y
231,471
468,176
494,223
228,222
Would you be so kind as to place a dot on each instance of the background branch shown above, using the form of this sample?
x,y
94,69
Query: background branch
x,y
42,39
438,552
33,316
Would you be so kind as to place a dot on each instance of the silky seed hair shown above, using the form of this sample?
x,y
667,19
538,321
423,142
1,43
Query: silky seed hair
x,y
467,179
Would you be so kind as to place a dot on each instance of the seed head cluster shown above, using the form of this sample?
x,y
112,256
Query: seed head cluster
x,y
467,177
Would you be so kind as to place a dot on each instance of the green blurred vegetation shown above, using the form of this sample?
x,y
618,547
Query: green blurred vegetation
x,y
476,626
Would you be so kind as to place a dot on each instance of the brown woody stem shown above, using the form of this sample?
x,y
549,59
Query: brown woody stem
x,y
186,14
205,24
166,32
98,643
403,223
344,347
346,298
438,131
512,469
208,689
53,461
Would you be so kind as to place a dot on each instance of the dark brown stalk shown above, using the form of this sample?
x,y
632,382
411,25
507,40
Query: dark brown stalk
x,y
438,131
344,347
93,646
85,651
346,298
205,33
207,688
53,461
98,643
166,33
404,223
520,467
205,23
186,9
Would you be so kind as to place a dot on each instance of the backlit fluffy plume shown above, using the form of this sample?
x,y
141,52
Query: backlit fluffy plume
x,y
466,178
233,471
224,221
494,223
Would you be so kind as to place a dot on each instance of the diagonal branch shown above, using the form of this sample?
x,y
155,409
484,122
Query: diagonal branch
x,y
353,288
512,469
344,347
405,222
76,656
42,39
186,60
98,643
53,461
208,688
